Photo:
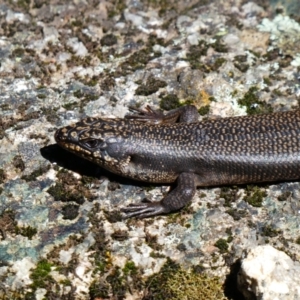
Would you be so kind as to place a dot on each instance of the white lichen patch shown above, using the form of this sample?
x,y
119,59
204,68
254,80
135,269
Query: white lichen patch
x,y
284,32
84,273
226,104
21,268
66,255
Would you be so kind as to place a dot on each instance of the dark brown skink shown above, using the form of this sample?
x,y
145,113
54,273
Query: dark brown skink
x,y
154,147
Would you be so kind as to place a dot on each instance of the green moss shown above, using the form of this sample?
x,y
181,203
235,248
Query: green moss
x,y
242,67
108,83
218,63
92,81
151,240
277,92
272,54
204,110
236,214
24,4
84,61
253,104
61,193
254,195
2,176
230,239
70,211
169,102
32,176
26,231
130,269
284,196
113,216
78,94
240,58
99,290
18,52
240,62
117,8
122,281
173,282
270,231
155,254
120,235
181,247
195,53
40,275
91,97
108,40
152,86
41,96
77,23
138,60
229,194
70,105
219,45
51,114
4,106
267,81
222,244
164,6
117,283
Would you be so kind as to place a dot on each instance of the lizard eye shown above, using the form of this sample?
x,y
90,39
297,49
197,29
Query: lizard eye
x,y
91,143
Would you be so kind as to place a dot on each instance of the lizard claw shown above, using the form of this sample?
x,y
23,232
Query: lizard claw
x,y
148,114
144,210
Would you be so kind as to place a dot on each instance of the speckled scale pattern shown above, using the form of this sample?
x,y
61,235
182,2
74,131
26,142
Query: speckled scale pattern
x,y
248,149
231,150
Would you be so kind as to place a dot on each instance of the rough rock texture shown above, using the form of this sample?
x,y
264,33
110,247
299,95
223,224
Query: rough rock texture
x,y
269,274
61,235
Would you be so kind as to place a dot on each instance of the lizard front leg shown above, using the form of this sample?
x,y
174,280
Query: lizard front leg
x,y
175,200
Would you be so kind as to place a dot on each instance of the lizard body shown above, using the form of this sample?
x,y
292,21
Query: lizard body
x,y
158,148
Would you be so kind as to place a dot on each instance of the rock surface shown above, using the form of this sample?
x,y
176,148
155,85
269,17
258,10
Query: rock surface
x,y
269,274
61,234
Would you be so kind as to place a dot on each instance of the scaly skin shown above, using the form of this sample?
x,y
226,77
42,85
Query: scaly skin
x,y
158,148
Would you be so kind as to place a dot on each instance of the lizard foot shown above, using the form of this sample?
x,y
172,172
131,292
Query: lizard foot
x,y
144,210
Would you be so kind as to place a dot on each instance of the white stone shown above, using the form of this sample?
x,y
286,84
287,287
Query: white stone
x,y
11,16
296,61
65,256
50,34
77,47
22,269
133,18
40,294
252,7
231,39
269,274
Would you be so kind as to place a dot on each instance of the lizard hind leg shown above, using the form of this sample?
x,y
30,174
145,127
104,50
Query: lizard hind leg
x,y
183,114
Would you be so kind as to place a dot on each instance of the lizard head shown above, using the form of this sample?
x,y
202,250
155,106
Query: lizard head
x,y
101,141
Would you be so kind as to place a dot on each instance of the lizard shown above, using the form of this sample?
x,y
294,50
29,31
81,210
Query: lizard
x,y
154,147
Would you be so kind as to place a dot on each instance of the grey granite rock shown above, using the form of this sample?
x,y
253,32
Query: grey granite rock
x,y
61,235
